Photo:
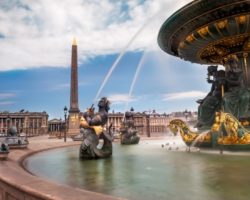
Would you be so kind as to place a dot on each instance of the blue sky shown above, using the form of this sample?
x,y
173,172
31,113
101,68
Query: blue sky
x,y
36,36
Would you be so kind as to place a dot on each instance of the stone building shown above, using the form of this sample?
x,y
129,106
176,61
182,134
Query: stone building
x,y
56,127
188,116
151,123
31,123
141,123
116,120
145,123
158,123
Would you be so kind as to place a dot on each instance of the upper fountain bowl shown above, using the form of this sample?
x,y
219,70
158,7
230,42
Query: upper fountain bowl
x,y
207,31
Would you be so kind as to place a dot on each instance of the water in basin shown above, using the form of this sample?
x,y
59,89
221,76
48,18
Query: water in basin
x,y
147,171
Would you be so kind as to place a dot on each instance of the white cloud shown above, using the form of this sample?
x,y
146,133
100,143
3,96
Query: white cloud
x,y
7,95
121,98
184,95
6,103
38,33
6,98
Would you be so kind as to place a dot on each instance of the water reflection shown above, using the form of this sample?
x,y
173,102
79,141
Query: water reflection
x,y
148,171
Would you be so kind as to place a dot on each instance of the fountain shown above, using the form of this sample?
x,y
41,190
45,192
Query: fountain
x,y
93,125
148,171
15,140
4,151
128,133
153,170
120,56
215,33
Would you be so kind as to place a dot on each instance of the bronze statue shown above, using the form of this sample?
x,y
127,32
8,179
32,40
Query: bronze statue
x,y
212,102
127,130
4,147
4,151
219,37
94,129
237,98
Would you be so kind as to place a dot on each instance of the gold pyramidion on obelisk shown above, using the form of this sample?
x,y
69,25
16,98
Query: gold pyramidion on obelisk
x,y
74,108
74,42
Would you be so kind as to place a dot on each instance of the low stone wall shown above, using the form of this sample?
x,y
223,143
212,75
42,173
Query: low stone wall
x,y
17,184
12,192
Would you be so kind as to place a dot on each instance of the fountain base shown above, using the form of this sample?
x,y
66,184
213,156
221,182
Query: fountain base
x,y
226,133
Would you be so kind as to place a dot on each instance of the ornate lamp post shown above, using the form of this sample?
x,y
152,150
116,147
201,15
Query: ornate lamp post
x,y
186,114
65,118
148,124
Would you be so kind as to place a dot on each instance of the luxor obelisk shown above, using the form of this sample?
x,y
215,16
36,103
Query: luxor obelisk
x,y
73,126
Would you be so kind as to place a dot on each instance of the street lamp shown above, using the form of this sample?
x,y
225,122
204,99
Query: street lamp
x,y
148,124
65,117
186,114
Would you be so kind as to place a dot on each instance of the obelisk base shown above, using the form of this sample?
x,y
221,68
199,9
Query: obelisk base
x,y
74,123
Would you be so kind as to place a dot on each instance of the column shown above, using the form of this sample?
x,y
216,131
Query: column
x,y
37,126
20,124
1,128
33,126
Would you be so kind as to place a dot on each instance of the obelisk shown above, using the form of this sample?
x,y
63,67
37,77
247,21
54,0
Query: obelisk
x,y
73,128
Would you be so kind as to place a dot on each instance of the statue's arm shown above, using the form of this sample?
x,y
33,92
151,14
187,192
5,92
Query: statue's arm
x,y
96,120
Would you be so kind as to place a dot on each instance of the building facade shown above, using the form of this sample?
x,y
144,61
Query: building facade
x,y
56,127
31,123
152,123
158,123
187,116
145,124
117,118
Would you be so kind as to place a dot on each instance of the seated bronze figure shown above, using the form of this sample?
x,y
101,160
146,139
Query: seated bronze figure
x,y
128,131
94,130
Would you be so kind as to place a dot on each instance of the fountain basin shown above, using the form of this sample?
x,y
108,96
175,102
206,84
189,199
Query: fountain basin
x,y
17,183
148,171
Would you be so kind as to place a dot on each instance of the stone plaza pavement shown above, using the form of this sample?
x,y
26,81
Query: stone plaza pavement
x,y
17,184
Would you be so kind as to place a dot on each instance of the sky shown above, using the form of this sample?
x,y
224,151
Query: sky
x,y
35,55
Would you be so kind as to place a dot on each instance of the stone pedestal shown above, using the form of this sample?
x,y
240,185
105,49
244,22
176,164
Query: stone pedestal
x,y
73,124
